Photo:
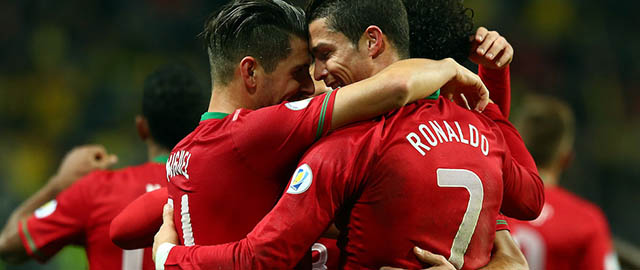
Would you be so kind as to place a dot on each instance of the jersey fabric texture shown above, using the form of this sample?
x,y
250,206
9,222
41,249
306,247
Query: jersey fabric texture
x,y
430,174
570,233
230,171
81,215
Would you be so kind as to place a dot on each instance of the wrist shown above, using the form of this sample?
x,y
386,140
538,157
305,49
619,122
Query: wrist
x,y
162,254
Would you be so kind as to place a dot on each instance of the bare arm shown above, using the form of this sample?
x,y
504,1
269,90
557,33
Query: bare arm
x,y
77,163
506,254
404,82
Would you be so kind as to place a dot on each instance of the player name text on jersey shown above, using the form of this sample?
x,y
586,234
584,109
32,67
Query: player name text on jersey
x,y
434,133
177,164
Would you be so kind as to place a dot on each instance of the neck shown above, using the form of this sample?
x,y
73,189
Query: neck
x,y
549,176
154,150
384,60
224,99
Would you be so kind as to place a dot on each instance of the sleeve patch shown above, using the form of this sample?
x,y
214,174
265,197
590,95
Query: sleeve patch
x,y
46,210
298,105
301,180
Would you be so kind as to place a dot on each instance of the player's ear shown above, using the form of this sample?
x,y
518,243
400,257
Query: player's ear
x,y
248,73
142,126
373,40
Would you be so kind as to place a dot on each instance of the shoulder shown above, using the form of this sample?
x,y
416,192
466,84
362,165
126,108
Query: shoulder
x,y
588,210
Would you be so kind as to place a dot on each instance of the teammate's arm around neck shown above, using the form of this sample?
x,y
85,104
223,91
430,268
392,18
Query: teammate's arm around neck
x,y
401,83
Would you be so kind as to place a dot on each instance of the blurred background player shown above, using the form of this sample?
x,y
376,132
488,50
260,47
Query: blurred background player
x,y
82,204
571,233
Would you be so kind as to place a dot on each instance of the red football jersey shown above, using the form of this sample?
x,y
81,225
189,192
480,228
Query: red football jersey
x,y
81,215
230,171
570,233
429,174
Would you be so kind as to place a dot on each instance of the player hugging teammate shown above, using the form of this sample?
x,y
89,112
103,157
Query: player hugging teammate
x,y
390,169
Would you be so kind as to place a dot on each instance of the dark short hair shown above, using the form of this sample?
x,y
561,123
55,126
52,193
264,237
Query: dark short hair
x,y
258,28
547,127
352,17
172,103
439,29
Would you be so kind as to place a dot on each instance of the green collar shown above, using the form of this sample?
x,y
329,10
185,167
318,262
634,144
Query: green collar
x,y
213,115
160,159
434,95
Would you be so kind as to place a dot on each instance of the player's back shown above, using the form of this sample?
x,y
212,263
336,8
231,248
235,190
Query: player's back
x,y
429,174
570,233
82,215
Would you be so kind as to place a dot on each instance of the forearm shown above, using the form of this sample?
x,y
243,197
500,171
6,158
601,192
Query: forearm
x,y
11,248
401,83
506,254
523,189
499,83
225,256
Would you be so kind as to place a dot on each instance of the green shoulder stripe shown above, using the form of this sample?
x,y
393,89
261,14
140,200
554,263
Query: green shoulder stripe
x,y
323,113
501,222
30,242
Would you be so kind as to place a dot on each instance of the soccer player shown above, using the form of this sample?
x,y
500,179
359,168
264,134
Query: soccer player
x,y
82,204
227,174
570,233
372,196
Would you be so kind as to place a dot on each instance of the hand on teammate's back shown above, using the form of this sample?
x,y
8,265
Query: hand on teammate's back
x,y
437,262
466,89
167,232
80,161
490,49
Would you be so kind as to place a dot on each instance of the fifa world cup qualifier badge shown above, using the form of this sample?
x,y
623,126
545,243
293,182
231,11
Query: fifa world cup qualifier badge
x,y
301,180
46,210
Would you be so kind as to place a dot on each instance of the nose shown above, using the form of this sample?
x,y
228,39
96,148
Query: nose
x,y
320,71
307,87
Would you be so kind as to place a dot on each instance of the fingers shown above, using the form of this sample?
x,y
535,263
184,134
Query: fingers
x,y
506,57
489,39
390,268
483,99
481,33
438,261
167,215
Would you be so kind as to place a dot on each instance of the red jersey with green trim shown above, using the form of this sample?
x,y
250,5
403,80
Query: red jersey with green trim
x,y
230,171
430,174
82,213
570,233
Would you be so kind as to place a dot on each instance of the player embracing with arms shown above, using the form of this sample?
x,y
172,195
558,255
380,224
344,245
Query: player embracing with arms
x,y
387,199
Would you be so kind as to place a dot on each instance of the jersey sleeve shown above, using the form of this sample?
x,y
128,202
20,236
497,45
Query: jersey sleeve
x,y
498,81
307,208
136,225
502,224
58,223
598,253
287,129
523,189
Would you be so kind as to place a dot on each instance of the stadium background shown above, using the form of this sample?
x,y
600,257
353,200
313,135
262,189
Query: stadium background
x,y
71,73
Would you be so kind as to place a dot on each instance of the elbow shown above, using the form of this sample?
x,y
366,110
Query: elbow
x,y
400,93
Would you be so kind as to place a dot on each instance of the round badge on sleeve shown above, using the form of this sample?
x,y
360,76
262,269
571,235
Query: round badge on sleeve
x,y
298,105
46,210
301,180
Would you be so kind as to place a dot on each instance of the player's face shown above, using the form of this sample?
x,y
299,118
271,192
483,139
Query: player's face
x,y
290,80
320,87
337,61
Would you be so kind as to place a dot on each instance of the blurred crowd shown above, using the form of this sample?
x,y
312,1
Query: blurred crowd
x,y
71,73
